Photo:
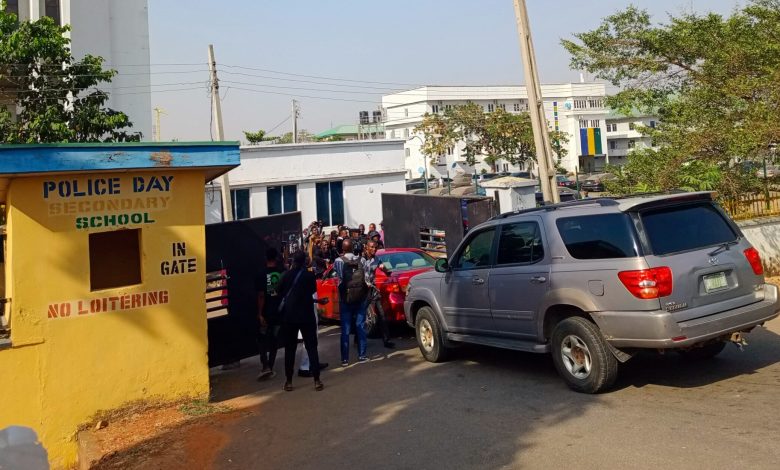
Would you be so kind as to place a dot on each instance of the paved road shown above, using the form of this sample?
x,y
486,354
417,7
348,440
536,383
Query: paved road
x,y
492,409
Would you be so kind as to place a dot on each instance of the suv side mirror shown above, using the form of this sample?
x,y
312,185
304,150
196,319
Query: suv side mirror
x,y
441,265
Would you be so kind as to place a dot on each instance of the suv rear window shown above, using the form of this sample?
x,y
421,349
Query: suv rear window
x,y
684,228
598,236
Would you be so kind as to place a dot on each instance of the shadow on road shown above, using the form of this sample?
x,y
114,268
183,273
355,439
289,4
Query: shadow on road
x,y
484,408
673,370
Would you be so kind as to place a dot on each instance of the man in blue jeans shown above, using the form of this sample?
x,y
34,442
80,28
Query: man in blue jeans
x,y
353,293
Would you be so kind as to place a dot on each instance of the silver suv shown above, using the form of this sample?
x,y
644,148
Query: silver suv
x,y
593,282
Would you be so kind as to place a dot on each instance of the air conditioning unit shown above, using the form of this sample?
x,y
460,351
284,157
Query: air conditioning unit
x,y
363,117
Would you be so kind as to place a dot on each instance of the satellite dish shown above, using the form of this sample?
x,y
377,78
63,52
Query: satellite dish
x,y
454,165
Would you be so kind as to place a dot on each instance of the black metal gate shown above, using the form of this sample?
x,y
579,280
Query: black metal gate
x,y
434,223
235,260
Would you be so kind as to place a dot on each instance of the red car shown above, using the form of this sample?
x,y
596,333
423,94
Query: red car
x,y
397,266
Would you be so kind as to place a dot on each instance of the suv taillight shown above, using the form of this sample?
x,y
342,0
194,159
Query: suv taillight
x,y
648,283
755,260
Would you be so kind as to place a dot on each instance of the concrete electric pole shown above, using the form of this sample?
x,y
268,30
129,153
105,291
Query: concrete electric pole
x,y
544,156
216,106
295,114
157,132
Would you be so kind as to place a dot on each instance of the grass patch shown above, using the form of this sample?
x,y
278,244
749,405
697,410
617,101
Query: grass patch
x,y
201,408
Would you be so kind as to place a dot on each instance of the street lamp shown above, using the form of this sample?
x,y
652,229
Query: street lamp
x,y
425,160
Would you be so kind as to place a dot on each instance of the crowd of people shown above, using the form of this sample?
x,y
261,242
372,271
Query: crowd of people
x,y
287,298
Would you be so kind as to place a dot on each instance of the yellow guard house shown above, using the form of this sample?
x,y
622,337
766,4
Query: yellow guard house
x,y
104,264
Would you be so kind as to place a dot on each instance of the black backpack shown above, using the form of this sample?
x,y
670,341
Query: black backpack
x,y
353,288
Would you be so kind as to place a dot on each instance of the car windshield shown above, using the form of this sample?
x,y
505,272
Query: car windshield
x,y
404,260
684,228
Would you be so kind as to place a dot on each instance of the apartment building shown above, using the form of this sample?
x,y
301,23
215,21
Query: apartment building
x,y
576,109
118,31
623,135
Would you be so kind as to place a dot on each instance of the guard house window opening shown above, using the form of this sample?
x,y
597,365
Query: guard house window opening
x,y
114,259
433,240
5,332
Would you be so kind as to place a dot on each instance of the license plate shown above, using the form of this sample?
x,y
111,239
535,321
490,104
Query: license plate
x,y
715,282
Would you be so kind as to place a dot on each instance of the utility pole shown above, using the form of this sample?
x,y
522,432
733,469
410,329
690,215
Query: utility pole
x,y
157,112
216,104
295,114
544,155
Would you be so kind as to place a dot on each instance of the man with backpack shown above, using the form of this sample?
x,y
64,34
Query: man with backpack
x,y
353,294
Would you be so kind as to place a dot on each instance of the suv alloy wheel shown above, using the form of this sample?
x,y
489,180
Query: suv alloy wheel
x,y
429,336
582,357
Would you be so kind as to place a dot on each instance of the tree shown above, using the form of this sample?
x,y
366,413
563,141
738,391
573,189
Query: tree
x,y
497,135
712,81
256,137
54,95
287,138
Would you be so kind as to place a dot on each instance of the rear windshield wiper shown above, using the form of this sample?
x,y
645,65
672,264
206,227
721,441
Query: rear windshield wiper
x,y
722,247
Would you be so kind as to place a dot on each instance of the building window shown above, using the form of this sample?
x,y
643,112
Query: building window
x,y
631,144
449,150
652,124
595,103
53,10
406,133
594,123
282,199
579,104
502,107
408,153
330,203
612,144
516,107
240,200
631,126
447,107
491,107
392,134
12,6
406,112
583,124
611,127
114,259
435,108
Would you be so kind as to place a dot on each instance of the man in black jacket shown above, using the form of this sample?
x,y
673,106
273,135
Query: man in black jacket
x,y
297,289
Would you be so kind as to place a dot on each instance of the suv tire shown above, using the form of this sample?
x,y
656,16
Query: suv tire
x,y
707,351
429,336
582,357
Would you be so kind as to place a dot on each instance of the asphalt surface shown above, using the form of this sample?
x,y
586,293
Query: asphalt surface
x,y
493,409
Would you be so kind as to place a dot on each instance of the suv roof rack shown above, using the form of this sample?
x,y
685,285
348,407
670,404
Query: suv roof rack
x,y
602,201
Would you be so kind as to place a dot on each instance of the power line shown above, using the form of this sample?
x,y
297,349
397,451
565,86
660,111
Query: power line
x,y
277,126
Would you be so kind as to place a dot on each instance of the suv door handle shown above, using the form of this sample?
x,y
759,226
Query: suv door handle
x,y
538,279
477,281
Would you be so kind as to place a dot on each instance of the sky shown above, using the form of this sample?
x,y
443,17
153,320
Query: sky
x,y
351,52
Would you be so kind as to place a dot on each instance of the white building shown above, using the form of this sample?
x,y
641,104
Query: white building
x,y
623,135
335,182
573,108
117,31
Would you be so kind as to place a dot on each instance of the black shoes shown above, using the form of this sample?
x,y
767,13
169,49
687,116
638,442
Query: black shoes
x,y
389,345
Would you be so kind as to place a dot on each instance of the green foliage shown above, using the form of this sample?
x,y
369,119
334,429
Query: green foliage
x,y
256,137
712,81
55,95
498,135
287,138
